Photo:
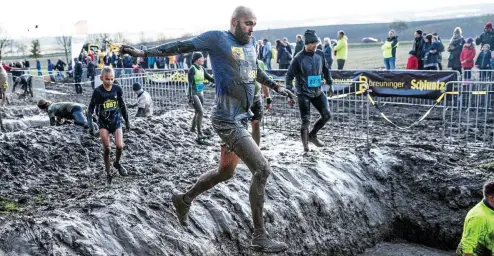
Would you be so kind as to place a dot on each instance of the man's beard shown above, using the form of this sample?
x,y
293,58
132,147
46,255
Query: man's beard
x,y
241,36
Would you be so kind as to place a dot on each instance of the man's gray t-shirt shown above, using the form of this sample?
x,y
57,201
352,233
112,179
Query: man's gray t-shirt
x,y
235,71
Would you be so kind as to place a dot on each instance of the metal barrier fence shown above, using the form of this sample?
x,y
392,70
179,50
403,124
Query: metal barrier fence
x,y
463,117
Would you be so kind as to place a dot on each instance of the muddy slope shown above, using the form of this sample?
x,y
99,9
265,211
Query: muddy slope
x,y
337,201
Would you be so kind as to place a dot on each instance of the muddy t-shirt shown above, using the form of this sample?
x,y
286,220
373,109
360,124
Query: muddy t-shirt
x,y
145,102
235,73
63,109
107,104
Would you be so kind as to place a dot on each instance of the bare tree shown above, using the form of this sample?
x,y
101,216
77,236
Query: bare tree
x,y
161,38
119,38
4,40
142,38
21,48
65,42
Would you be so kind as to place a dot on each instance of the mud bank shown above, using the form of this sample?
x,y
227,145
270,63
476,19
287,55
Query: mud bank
x,y
338,200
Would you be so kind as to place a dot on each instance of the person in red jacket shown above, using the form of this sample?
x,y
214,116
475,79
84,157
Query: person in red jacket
x,y
413,61
466,58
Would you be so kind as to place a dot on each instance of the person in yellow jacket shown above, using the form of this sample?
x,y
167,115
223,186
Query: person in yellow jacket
x,y
478,229
341,49
389,51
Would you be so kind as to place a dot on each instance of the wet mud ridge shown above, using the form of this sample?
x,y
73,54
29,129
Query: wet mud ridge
x,y
338,200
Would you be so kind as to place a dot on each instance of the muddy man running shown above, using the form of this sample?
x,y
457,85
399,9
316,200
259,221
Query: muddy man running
x,y
234,63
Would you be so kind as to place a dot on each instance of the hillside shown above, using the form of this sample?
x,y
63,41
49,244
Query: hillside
x,y
471,26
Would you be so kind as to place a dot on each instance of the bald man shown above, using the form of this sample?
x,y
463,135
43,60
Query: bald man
x,y
233,59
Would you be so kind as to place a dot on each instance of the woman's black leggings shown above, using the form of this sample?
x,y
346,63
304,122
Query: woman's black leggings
x,y
197,120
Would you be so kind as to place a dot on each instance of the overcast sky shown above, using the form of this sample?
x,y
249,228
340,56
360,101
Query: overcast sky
x,y
174,18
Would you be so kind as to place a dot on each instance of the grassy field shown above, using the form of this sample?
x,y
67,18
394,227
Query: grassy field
x,y
360,56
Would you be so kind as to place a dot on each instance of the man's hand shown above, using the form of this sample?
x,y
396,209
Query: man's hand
x,y
191,101
287,93
127,127
127,49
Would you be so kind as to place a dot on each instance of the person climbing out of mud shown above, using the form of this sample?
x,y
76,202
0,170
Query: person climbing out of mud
x,y
233,59
108,101
61,111
307,68
478,229
144,101
26,82
195,93
257,107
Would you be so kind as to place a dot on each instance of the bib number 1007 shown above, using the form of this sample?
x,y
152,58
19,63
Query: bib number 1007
x,y
110,104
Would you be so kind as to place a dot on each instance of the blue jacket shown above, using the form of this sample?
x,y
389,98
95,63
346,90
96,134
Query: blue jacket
x,y
428,57
38,64
328,53
484,60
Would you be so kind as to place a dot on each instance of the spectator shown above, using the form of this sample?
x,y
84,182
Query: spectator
x,y
418,47
492,64
205,55
38,67
127,63
455,48
440,49
487,37
91,70
284,56
389,50
60,66
259,49
319,44
27,65
430,54
483,63
266,53
77,76
413,62
341,50
328,52
299,45
151,61
466,58
50,71
160,62
143,61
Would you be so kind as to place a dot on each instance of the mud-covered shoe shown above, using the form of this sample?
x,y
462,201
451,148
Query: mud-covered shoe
x,y
316,141
121,170
109,177
261,243
181,208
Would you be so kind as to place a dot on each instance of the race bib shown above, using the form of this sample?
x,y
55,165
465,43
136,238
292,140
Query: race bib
x,y
248,74
199,87
109,105
314,81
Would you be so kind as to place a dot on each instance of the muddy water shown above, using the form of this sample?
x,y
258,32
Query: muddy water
x,y
338,200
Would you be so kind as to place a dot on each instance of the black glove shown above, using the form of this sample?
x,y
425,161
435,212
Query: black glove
x,y
212,85
191,101
127,127
269,100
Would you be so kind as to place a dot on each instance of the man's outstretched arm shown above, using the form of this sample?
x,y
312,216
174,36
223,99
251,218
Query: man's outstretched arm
x,y
164,50
203,42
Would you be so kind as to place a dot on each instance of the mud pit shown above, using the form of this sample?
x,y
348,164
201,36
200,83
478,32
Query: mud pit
x,y
338,200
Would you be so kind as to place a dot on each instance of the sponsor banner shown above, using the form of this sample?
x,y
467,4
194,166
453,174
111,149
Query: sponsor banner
x,y
400,83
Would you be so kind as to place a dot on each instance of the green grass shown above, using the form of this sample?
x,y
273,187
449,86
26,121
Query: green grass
x,y
488,166
7,206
